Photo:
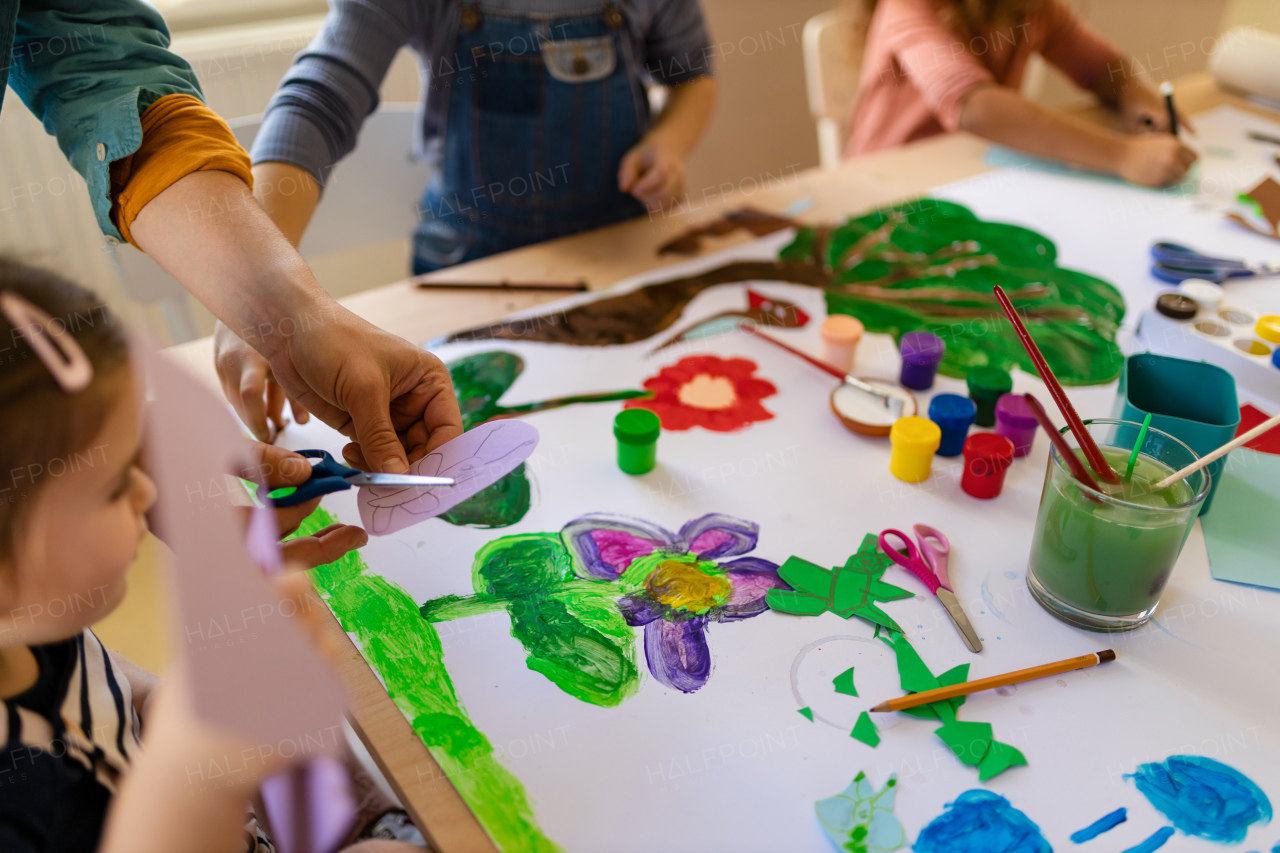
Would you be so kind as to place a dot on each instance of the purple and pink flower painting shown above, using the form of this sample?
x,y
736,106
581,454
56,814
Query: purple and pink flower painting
x,y
576,597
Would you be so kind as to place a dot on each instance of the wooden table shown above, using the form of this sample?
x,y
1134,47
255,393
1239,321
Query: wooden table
x,y
603,258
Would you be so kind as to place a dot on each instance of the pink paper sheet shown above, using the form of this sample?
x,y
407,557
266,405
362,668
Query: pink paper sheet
x,y
253,671
476,459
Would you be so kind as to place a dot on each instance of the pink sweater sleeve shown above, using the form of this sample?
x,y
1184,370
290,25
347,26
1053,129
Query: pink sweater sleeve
x,y
1071,45
934,58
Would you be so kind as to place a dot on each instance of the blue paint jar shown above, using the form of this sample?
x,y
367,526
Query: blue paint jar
x,y
1275,357
954,415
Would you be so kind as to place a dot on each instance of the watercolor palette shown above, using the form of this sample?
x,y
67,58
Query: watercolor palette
x,y
1223,335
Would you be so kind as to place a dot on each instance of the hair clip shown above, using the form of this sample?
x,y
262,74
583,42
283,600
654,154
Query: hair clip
x,y
61,354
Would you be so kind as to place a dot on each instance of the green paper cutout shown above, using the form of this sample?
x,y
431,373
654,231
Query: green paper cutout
x,y
999,758
914,676
865,730
849,590
807,713
844,683
969,741
862,572
804,576
795,603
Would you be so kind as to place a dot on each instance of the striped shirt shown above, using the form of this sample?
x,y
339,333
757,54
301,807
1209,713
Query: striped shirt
x,y
68,741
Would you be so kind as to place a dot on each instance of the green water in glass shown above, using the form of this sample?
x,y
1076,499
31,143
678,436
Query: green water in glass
x,y
1110,559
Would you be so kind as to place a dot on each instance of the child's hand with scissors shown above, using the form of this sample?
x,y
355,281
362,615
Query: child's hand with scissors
x,y
278,468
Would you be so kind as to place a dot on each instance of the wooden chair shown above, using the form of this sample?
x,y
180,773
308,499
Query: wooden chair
x,y
832,64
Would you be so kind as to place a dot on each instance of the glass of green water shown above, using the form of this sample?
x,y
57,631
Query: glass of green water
x,y
1101,559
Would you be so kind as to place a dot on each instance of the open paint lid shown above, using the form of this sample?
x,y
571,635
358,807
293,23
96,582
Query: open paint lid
x,y
865,413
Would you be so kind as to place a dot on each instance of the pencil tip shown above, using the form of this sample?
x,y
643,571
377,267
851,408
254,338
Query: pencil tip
x,y
883,706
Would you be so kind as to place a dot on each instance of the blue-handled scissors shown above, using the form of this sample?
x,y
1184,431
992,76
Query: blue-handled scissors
x,y
328,476
929,564
1176,263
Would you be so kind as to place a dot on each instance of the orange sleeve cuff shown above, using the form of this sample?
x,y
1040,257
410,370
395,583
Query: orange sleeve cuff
x,y
180,135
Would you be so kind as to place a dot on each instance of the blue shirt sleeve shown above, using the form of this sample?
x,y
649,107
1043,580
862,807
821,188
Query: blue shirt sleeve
x,y
88,69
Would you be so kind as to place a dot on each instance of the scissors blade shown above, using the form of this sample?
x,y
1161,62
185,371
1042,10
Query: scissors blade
x,y
368,479
956,612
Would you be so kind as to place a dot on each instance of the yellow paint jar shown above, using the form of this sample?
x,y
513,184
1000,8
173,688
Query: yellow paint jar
x,y
914,442
1268,328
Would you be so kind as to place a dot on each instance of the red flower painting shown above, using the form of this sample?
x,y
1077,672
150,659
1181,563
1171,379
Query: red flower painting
x,y
722,395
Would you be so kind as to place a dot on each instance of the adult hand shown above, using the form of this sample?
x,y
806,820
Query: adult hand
x,y
248,384
395,400
1154,160
652,172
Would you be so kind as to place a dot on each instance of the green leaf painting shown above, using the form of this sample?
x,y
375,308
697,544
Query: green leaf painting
x,y
931,265
922,264
406,652
576,597
480,380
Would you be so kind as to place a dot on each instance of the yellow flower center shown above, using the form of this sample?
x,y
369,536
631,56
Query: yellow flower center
x,y
682,585
708,392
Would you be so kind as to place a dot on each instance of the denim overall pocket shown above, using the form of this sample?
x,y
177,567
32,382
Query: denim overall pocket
x,y
522,165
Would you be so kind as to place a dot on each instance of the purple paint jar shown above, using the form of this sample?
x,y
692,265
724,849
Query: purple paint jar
x,y
921,352
1015,422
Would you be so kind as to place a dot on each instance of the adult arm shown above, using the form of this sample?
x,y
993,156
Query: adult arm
x,y
389,396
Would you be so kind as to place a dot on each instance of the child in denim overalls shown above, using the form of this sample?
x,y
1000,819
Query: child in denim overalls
x,y
536,112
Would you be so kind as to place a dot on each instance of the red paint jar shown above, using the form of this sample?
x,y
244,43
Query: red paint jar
x,y
987,456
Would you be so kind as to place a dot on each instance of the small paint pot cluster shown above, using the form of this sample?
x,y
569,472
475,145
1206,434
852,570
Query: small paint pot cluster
x,y
987,456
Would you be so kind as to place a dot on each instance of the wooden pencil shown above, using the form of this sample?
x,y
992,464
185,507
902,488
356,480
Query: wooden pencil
x,y
965,688
570,287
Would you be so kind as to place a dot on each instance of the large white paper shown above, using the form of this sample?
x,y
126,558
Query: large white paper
x,y
733,766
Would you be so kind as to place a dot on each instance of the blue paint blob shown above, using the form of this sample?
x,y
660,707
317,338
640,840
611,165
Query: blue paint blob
x,y
1100,826
1155,842
1203,797
1010,575
981,822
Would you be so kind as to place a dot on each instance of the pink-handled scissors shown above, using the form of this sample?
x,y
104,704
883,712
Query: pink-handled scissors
x,y
929,564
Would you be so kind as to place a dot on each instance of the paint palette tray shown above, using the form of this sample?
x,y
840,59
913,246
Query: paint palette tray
x,y
1223,335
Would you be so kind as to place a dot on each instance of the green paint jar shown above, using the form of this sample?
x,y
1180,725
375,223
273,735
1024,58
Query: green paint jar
x,y
637,433
986,385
